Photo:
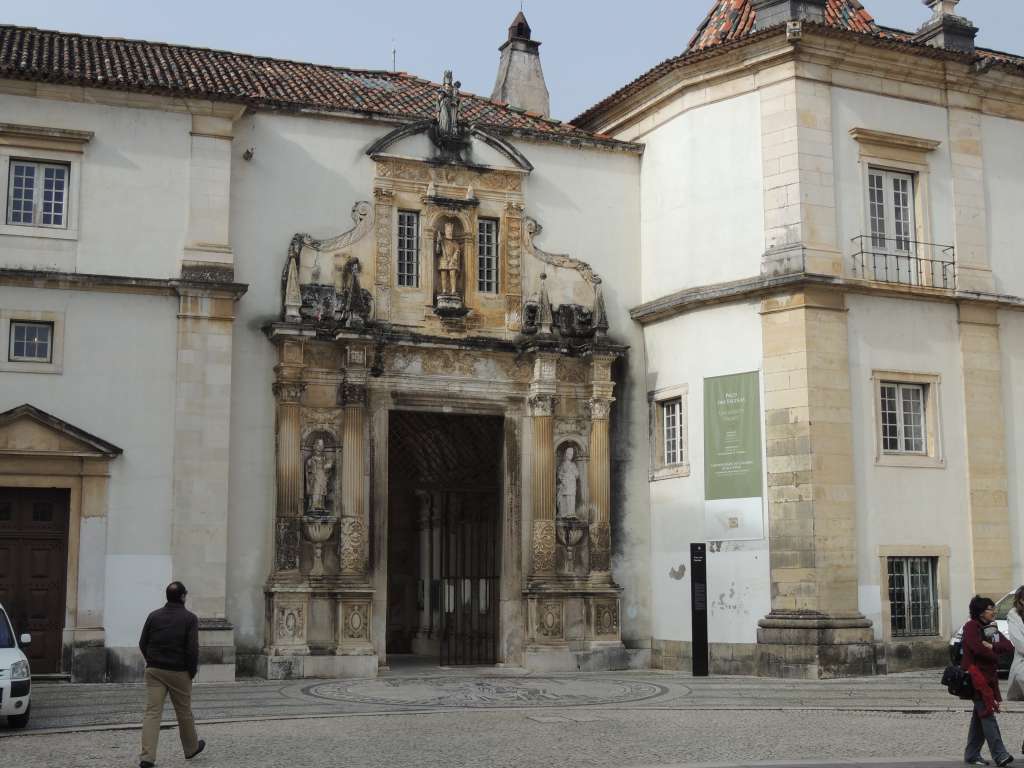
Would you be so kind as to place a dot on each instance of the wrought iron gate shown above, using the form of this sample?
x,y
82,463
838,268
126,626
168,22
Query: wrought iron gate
x,y
469,577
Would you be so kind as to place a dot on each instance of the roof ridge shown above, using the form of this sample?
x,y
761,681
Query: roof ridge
x,y
261,82
207,49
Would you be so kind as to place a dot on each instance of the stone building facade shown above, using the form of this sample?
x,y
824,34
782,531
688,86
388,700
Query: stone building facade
x,y
840,194
380,367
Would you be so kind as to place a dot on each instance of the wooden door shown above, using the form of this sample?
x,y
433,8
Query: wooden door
x,y
33,568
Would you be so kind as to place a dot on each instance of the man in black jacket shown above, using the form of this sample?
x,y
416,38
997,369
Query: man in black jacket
x,y
170,645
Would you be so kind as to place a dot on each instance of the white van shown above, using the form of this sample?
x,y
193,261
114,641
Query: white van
x,y
15,675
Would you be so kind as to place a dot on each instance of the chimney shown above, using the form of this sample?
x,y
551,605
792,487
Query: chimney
x,y
520,77
773,12
947,30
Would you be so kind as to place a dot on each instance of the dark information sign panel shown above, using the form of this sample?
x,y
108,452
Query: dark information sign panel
x,y
699,608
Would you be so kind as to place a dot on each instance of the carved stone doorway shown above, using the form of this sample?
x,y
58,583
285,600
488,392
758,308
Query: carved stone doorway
x,y
444,508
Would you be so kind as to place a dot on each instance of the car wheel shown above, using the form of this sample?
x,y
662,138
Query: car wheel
x,y
20,721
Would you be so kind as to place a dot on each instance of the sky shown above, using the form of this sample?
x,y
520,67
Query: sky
x,y
590,47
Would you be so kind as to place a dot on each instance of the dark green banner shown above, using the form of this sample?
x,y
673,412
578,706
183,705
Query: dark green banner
x,y
732,437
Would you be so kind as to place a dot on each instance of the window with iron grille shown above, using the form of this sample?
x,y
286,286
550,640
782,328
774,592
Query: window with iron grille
x,y
904,425
37,194
31,342
408,249
913,596
487,256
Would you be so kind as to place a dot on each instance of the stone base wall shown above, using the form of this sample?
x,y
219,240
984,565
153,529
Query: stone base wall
x,y
326,667
908,654
723,658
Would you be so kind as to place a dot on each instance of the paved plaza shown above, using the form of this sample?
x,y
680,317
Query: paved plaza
x,y
507,717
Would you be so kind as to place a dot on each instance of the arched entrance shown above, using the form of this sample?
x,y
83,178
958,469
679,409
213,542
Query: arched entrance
x,y
444,508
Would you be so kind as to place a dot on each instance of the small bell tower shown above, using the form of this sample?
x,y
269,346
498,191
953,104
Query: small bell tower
x,y
520,80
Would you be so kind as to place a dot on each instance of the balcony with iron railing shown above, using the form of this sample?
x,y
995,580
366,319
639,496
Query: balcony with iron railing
x,y
900,261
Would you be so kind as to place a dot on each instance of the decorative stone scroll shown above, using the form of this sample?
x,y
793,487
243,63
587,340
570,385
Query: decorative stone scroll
x,y
333,298
573,321
544,547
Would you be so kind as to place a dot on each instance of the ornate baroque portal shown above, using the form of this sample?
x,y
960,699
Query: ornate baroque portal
x,y
421,306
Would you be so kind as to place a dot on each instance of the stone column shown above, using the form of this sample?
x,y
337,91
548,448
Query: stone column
x,y
353,554
814,629
599,475
543,485
425,531
288,391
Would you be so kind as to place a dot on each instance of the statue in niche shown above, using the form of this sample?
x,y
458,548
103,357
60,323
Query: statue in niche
x,y
448,103
319,470
568,477
448,250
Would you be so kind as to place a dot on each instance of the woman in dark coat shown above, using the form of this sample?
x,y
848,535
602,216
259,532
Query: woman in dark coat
x,y
982,647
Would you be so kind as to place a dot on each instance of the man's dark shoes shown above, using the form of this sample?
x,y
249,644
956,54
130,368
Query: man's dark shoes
x,y
146,764
200,748
1005,761
977,761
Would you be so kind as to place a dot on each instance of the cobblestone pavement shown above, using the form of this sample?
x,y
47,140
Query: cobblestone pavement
x,y
498,717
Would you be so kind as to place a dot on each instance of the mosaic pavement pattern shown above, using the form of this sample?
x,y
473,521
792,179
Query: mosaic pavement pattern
x,y
482,692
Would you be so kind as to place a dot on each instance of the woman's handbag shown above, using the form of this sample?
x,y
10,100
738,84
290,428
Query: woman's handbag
x,y
958,682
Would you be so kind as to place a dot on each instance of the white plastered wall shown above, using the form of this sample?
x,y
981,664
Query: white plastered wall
x,y
133,195
686,350
702,217
908,506
304,176
588,202
1002,142
117,383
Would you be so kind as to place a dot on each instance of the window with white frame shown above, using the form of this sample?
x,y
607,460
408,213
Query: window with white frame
x,y
37,194
891,211
903,409
408,249
913,596
670,454
487,256
671,427
30,342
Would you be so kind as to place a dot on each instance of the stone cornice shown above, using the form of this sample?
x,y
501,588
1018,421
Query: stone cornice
x,y
691,299
734,68
41,137
883,138
75,281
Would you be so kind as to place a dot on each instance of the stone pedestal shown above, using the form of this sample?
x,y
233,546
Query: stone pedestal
x,y
216,651
813,646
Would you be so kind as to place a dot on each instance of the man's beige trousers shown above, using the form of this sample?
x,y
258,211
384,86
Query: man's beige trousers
x,y
159,683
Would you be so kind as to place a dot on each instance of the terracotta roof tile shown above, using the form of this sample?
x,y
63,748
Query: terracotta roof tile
x,y
40,55
732,19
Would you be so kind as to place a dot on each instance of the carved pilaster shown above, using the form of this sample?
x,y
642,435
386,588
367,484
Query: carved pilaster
x,y
513,281
288,393
543,487
383,217
599,474
353,551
